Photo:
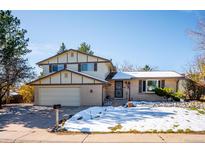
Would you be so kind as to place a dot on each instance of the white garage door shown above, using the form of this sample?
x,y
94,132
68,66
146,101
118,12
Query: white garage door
x,y
63,96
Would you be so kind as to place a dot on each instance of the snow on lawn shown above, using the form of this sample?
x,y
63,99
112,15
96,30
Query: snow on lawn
x,y
102,119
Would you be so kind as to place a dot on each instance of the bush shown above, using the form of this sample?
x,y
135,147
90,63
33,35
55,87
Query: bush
x,y
193,90
27,92
177,96
169,93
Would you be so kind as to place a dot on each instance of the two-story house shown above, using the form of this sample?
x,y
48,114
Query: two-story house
x,y
74,78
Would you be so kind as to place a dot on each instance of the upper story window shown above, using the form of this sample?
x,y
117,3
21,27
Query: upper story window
x,y
87,67
56,67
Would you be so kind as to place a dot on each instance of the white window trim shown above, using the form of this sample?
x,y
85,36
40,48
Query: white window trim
x,y
150,92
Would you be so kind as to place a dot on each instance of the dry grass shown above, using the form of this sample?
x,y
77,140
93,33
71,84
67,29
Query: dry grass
x,y
115,128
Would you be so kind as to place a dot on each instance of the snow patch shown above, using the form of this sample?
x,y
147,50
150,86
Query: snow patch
x,y
141,74
101,119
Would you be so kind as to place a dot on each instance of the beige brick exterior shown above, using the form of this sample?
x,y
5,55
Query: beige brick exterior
x,y
134,90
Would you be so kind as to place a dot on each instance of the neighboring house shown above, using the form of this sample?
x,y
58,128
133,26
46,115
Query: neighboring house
x,y
74,78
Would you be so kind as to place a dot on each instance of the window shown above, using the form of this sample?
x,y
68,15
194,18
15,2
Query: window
x,y
56,67
61,67
88,67
150,85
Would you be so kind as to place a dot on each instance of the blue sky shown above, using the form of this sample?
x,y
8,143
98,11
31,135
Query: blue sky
x,y
157,38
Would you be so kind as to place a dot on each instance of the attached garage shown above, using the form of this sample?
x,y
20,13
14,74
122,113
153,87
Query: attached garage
x,y
68,88
64,96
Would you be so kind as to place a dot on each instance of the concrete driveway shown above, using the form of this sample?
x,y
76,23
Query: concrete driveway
x,y
29,117
28,123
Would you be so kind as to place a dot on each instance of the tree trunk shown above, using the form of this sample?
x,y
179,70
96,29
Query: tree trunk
x,y
8,95
1,103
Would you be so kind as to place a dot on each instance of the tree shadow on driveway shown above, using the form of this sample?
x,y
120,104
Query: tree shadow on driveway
x,y
33,116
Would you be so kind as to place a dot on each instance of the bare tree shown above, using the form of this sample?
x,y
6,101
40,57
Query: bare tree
x,y
126,67
196,70
199,35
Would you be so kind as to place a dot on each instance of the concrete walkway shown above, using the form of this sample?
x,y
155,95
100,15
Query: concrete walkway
x,y
37,136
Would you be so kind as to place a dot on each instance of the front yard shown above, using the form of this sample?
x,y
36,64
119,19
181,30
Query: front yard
x,y
137,119
143,118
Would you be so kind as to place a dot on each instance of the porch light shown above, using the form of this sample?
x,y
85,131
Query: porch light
x,y
128,84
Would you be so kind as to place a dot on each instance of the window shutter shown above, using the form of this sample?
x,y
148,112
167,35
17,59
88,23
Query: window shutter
x,y
79,67
50,70
159,84
144,85
65,66
95,67
140,86
163,84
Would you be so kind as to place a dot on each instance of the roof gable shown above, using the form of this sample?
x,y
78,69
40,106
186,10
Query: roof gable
x,y
77,56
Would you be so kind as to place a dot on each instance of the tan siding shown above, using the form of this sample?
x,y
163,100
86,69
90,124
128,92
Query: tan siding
x,y
87,80
67,56
62,58
72,59
90,59
53,60
55,78
97,81
82,57
94,98
76,78
171,83
45,80
66,77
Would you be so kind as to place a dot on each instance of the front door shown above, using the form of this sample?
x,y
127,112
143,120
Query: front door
x,y
119,89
